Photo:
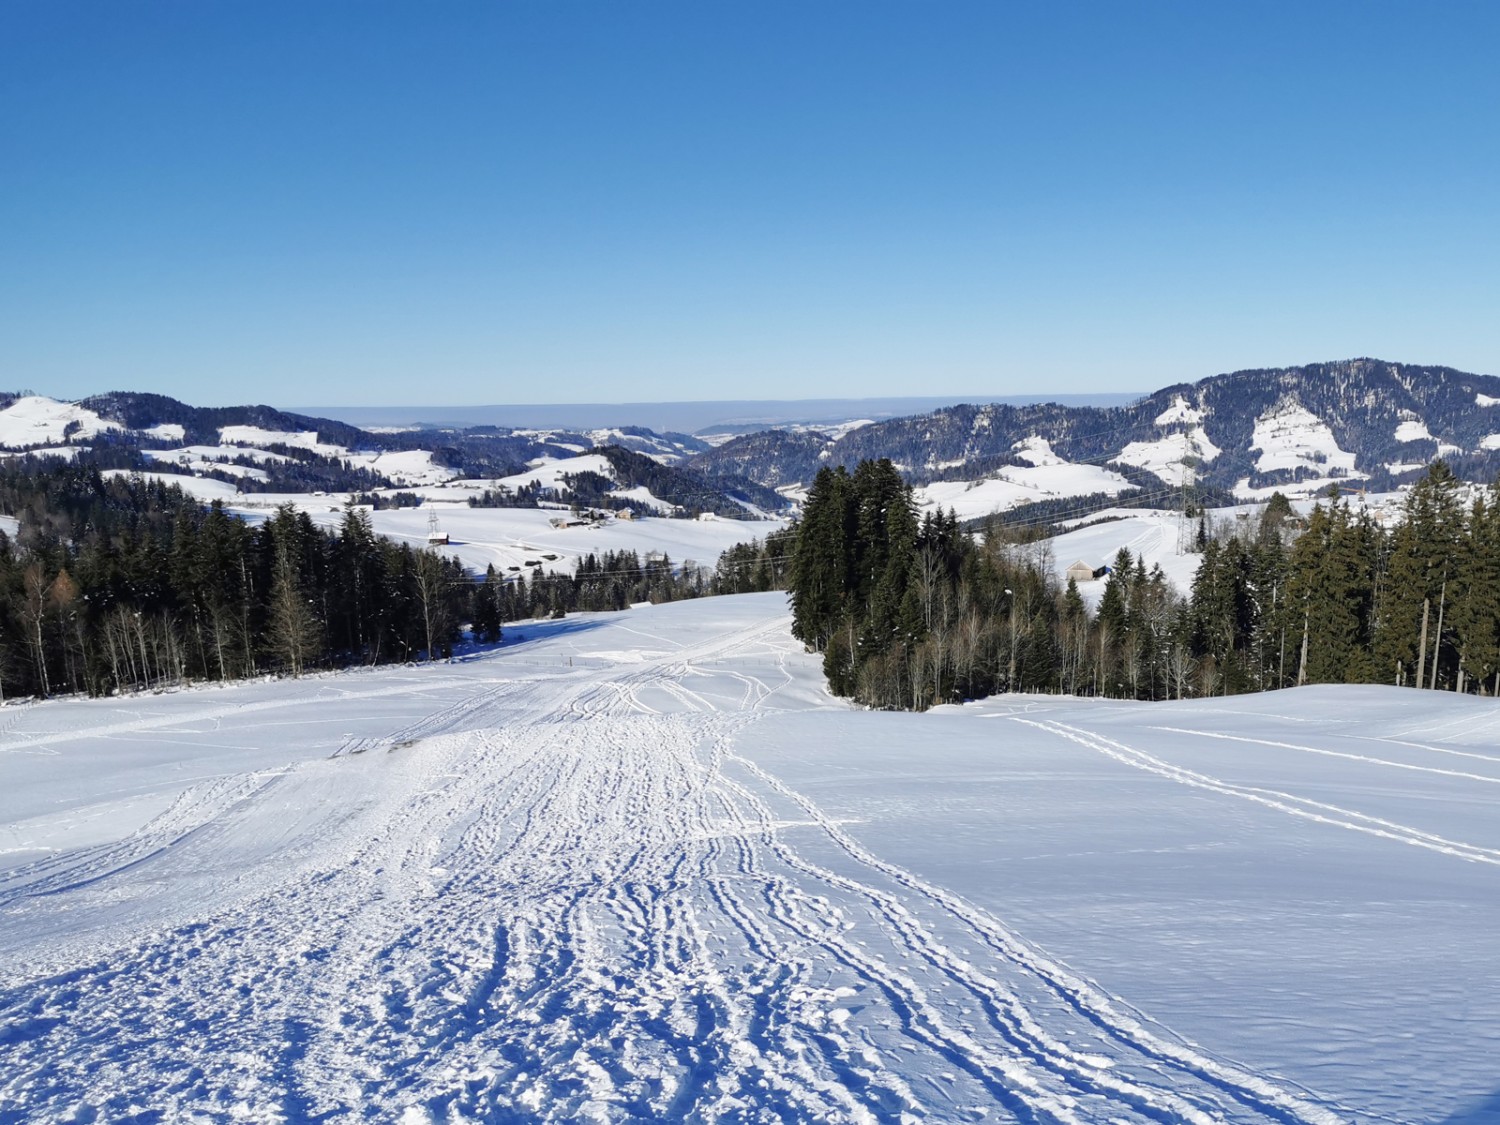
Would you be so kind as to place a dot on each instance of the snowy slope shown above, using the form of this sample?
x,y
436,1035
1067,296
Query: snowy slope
x,y
203,488
639,867
1155,536
549,473
34,420
1047,477
1291,437
511,537
404,467
1167,455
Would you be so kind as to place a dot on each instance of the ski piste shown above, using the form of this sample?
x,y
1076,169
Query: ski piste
x,y
641,867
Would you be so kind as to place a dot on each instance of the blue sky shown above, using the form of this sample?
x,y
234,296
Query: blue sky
x,y
371,204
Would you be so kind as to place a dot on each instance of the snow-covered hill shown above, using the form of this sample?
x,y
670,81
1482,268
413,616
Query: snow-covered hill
x,y
261,449
640,867
1244,434
31,421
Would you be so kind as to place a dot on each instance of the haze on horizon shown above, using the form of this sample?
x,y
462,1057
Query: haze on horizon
x,y
528,203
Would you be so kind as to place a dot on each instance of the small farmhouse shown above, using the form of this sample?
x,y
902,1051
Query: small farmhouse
x,y
1081,572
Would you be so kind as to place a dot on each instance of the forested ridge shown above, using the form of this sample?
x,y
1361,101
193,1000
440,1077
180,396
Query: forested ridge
x,y
1364,403
910,612
117,582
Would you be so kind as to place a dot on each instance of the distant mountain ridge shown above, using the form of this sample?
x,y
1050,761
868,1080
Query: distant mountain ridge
x,y
263,449
1355,420
703,417
1353,423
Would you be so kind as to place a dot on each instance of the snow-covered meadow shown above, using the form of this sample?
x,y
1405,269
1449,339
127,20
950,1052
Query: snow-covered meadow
x,y
641,867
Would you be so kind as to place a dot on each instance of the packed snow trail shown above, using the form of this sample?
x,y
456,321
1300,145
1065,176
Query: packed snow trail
x,y
557,900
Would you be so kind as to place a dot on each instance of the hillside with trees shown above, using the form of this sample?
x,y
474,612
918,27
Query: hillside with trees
x,y
118,583
1383,414
911,612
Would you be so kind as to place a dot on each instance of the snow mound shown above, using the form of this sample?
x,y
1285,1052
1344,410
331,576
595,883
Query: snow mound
x,y
1486,400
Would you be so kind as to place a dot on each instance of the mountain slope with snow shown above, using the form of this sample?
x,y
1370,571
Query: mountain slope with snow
x,y
1296,428
640,867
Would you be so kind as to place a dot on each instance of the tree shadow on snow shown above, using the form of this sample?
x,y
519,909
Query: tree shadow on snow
x,y
1486,1111
522,634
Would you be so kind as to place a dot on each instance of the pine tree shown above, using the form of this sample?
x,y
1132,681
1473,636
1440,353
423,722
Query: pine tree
x,y
1476,607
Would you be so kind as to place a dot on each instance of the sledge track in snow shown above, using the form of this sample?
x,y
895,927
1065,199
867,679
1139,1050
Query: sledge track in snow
x,y
552,901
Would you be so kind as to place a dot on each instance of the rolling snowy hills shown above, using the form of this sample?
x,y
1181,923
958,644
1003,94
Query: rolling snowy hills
x,y
1300,429
1357,424
641,867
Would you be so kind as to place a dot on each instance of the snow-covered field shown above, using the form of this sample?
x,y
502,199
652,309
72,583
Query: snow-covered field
x,y
512,537
640,867
506,538
1047,477
1154,536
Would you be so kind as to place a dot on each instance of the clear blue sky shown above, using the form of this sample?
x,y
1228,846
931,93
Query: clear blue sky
x,y
370,203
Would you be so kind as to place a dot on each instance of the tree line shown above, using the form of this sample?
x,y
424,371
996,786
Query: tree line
x,y
117,583
908,612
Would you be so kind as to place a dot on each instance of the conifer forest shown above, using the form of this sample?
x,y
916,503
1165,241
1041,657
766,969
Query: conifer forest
x,y
909,612
121,583
118,583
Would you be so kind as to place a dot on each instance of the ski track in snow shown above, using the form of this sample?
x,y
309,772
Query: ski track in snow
x,y
560,901
1289,803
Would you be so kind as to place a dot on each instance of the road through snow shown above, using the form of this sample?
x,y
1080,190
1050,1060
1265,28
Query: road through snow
x,y
568,894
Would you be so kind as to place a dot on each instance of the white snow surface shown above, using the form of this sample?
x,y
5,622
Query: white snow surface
x,y
548,472
35,420
1486,400
214,458
61,452
1289,436
1047,477
301,439
1413,429
1165,455
1151,535
640,867
510,538
1491,441
1037,450
202,488
404,467
189,454
1181,411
